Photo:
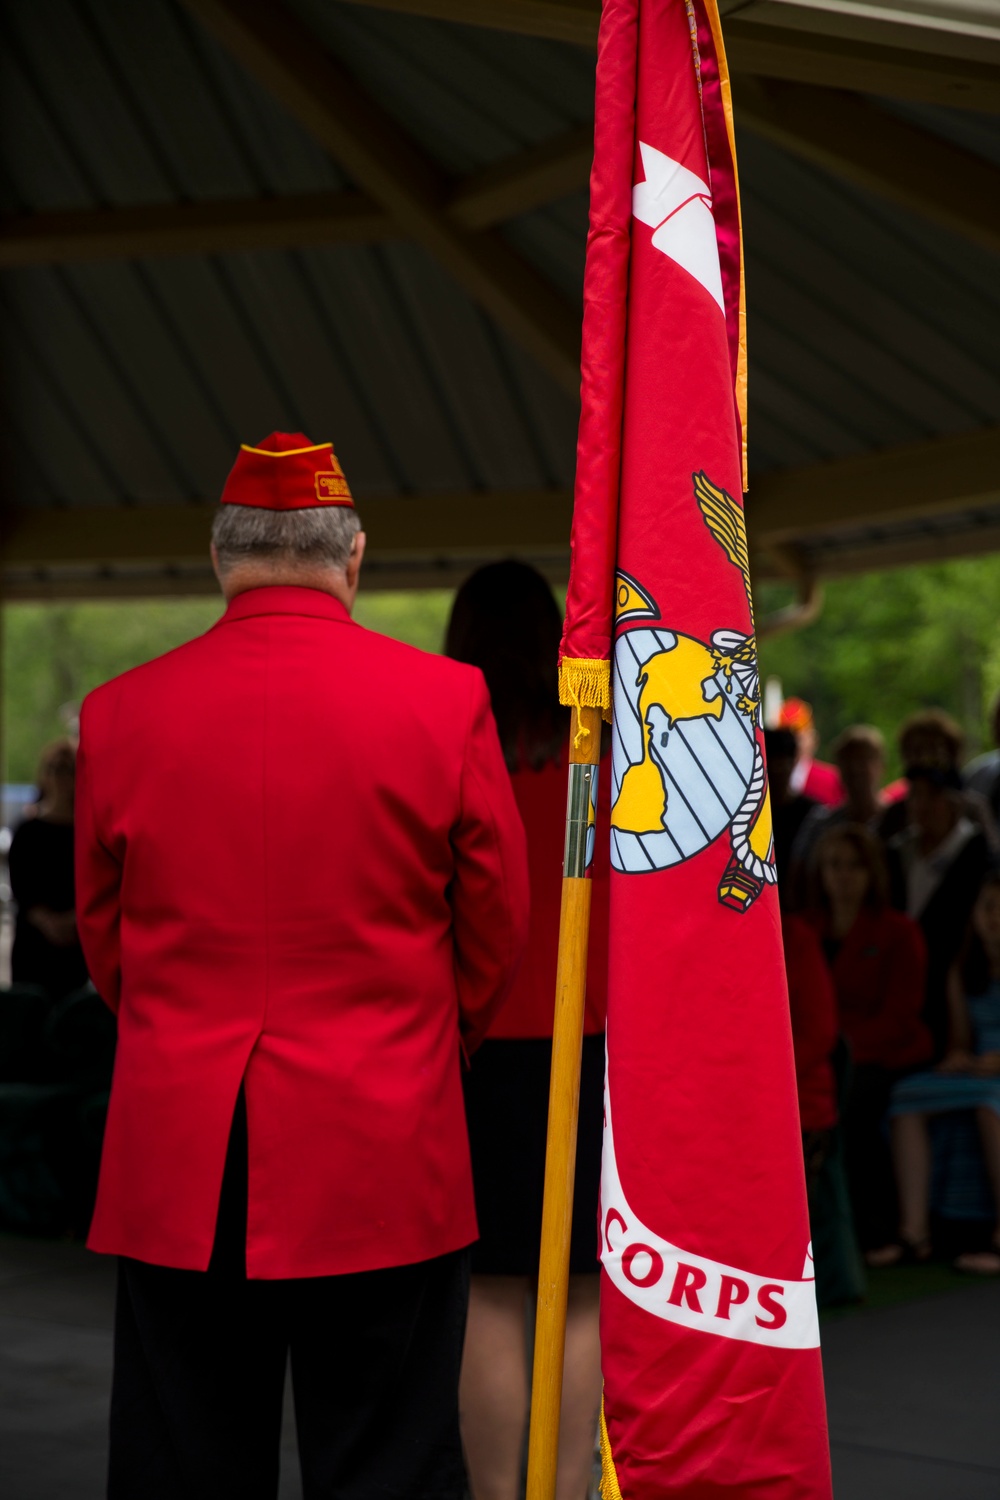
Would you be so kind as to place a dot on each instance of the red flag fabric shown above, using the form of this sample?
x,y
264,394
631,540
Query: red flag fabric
x,y
713,1382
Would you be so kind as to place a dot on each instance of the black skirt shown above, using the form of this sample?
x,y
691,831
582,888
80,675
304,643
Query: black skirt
x,y
507,1105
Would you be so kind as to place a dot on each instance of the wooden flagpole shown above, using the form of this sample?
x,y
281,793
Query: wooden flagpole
x,y
564,1102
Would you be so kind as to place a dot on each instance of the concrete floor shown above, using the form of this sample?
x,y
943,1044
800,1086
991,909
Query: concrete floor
x,y
913,1389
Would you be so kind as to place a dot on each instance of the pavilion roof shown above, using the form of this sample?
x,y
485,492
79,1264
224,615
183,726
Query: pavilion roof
x,y
221,218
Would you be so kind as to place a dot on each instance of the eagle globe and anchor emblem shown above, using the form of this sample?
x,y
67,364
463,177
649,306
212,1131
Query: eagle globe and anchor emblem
x,y
687,759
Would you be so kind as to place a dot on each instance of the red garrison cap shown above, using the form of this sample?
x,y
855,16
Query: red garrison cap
x,y
286,472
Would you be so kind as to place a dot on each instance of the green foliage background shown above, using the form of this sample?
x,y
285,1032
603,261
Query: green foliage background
x,y
884,645
55,653
889,643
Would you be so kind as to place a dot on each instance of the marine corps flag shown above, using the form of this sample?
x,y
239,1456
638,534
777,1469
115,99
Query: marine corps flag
x,y
712,1376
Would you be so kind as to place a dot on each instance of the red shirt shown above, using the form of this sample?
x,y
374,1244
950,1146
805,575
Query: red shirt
x,y
823,783
530,1006
300,867
878,974
813,1007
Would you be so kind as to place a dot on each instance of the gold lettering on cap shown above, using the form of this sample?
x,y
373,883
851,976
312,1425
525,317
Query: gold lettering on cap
x,y
332,487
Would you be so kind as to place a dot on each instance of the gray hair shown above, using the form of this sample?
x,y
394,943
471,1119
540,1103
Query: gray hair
x,y
317,534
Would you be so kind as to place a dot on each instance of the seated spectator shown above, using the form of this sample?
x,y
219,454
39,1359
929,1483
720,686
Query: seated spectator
x,y
936,866
876,958
933,739
813,778
860,756
967,1078
46,948
789,809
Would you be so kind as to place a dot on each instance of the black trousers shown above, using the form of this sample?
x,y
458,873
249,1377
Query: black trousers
x,y
199,1373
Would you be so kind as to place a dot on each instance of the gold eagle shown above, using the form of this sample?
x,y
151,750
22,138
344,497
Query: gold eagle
x,y
725,520
734,652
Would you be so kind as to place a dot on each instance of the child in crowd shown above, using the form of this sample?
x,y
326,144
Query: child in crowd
x,y
967,1078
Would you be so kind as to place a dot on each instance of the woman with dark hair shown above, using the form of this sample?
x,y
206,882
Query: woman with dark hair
x,y
967,1078
505,621
876,956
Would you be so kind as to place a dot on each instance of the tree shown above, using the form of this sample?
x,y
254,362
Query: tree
x,y
54,654
889,643
885,644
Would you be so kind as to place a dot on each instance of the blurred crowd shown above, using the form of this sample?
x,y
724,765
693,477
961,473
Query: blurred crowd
x,y
890,898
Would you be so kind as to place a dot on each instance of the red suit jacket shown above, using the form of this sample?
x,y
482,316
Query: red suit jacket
x,y
823,783
299,865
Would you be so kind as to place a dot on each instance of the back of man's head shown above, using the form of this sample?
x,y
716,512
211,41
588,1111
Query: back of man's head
x,y
314,537
287,517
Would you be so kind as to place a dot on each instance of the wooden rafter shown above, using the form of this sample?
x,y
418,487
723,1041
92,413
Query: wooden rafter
x,y
407,530
537,175
897,72
838,132
856,140
191,228
530,178
908,552
379,158
797,519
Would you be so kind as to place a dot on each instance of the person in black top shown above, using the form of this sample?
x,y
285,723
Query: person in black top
x,y
936,867
46,948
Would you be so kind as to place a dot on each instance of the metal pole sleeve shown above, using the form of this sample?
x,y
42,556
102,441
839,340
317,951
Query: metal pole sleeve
x,y
581,800
564,1104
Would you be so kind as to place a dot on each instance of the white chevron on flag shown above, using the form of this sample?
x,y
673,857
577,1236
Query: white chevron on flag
x,y
677,205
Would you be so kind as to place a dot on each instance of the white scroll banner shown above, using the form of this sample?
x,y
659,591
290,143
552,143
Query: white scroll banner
x,y
688,1289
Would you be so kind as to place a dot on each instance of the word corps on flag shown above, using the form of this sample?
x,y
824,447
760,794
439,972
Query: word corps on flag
x,y
712,1376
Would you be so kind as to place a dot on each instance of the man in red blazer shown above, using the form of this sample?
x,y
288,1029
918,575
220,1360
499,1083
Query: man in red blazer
x,y
302,887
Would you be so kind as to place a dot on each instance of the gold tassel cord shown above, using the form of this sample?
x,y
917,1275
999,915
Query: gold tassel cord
x,y
585,684
609,1479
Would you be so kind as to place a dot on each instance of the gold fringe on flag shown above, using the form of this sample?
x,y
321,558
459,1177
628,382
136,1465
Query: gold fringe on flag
x,y
609,1479
585,684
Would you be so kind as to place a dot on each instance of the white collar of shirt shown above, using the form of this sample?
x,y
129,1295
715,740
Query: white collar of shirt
x,y
924,873
800,773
